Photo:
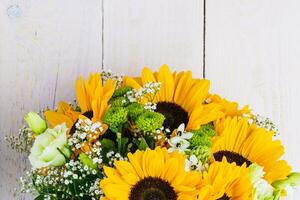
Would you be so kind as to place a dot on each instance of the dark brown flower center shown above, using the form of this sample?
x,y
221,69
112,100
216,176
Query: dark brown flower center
x,y
224,197
174,114
151,188
232,157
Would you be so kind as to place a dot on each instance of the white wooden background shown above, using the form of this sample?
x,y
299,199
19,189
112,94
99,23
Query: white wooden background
x,y
252,55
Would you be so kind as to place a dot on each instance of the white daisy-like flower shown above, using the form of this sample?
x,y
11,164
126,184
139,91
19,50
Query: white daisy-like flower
x,y
180,141
192,163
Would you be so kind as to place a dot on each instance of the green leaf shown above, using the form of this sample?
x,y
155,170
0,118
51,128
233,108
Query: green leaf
x,y
40,197
107,144
124,145
150,141
143,144
293,179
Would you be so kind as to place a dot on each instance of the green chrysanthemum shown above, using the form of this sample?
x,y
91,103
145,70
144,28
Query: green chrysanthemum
x,y
121,91
149,121
115,117
207,129
200,140
202,136
202,153
119,102
134,110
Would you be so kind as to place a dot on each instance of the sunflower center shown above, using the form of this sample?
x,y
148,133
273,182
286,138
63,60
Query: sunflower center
x,y
174,114
232,157
224,197
151,188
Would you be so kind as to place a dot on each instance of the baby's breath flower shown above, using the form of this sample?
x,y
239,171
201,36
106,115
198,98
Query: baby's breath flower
x,y
266,123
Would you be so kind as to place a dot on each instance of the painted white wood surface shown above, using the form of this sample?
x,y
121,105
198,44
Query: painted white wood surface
x,y
44,45
151,33
253,56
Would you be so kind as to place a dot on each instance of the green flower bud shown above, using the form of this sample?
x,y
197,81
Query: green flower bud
x,y
202,153
35,122
292,180
119,102
115,116
84,159
149,121
121,91
50,148
134,110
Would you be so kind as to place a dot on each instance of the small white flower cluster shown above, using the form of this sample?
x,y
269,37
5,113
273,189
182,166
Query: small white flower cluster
x,y
76,172
26,184
112,156
266,123
148,91
110,75
21,142
84,129
94,189
95,153
150,106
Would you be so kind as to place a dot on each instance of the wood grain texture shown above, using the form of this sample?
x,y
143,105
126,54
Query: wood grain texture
x,y
253,56
44,45
151,33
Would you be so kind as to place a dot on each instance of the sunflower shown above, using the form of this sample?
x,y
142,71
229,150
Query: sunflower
x,y
224,181
180,98
92,97
150,174
228,107
241,142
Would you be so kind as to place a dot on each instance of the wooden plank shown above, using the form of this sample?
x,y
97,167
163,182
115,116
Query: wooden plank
x,y
44,45
253,57
151,33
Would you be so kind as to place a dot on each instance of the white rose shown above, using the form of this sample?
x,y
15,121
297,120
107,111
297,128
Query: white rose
x,y
50,148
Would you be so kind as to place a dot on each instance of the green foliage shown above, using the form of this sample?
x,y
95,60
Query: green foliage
x,y
121,143
149,121
107,144
119,102
121,91
115,117
135,110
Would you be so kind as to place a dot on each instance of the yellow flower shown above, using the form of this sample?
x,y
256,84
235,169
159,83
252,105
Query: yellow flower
x,y
92,95
241,142
228,107
180,97
150,174
92,98
64,114
226,181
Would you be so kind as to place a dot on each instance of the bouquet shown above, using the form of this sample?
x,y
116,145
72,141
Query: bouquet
x,y
160,136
